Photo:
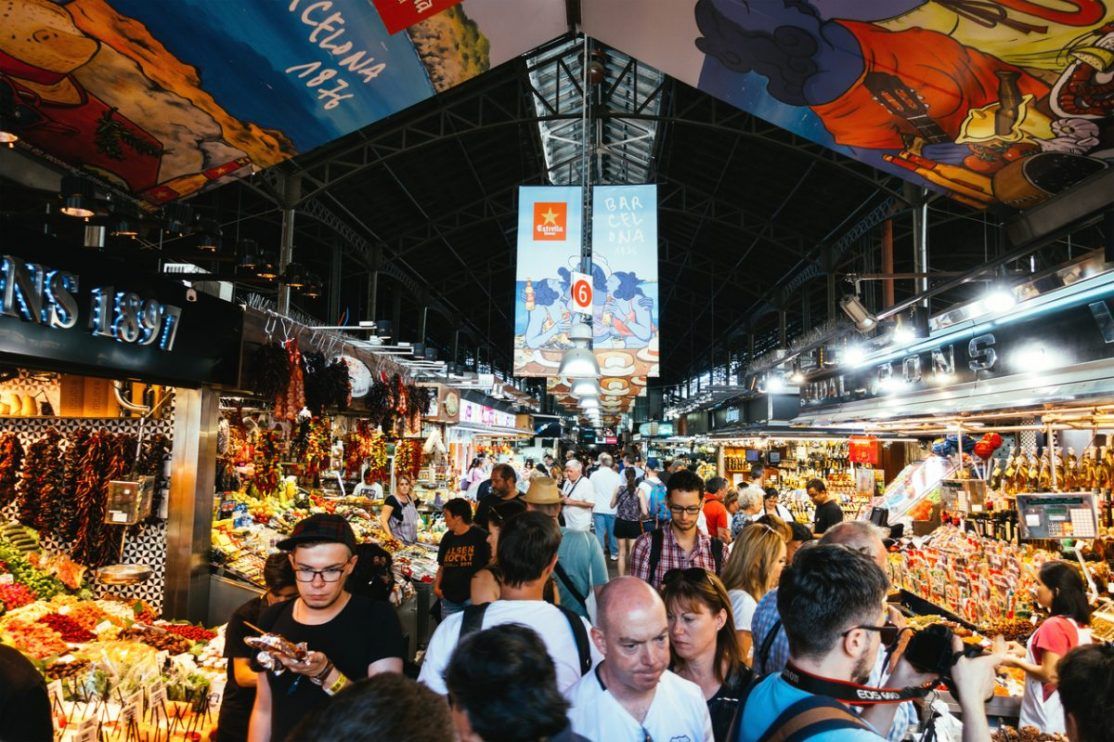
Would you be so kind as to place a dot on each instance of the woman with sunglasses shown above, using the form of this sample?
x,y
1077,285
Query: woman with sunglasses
x,y
703,644
399,514
752,570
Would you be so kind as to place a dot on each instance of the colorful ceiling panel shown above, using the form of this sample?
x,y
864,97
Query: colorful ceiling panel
x,y
1003,101
167,98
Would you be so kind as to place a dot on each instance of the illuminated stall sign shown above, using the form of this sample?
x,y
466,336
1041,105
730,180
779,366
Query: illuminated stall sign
x,y
81,312
44,295
1069,336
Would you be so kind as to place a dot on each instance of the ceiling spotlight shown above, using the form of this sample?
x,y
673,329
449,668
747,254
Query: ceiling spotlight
x,y
798,376
589,403
209,239
313,286
903,333
77,197
579,363
248,251
854,308
295,276
265,268
178,217
854,355
1000,299
585,388
775,384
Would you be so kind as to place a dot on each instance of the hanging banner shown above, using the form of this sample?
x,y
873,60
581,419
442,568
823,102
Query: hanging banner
x,y
550,220
625,278
1002,102
165,99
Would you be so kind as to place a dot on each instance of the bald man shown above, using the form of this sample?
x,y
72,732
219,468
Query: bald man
x,y
632,695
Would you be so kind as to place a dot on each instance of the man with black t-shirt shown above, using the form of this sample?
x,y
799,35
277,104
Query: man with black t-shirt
x,y
463,552
349,637
503,487
239,691
828,512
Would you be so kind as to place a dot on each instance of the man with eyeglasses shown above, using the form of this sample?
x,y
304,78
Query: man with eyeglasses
x,y
349,637
832,600
632,695
679,543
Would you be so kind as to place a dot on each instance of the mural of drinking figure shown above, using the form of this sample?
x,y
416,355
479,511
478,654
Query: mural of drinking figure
x,y
910,99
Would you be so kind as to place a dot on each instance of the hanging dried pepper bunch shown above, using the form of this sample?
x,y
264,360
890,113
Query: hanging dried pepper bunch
x,y
290,401
377,457
11,459
417,404
270,370
328,385
65,519
41,480
378,401
316,453
266,470
152,462
408,457
90,495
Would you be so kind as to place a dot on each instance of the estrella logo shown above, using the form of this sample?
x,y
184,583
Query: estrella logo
x,y
550,220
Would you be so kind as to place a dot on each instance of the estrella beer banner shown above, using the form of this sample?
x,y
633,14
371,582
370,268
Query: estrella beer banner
x,y
625,280
550,220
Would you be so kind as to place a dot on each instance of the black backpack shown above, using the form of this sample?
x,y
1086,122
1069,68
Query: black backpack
x,y
474,618
656,540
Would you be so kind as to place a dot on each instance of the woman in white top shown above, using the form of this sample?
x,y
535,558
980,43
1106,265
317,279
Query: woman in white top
x,y
752,570
772,506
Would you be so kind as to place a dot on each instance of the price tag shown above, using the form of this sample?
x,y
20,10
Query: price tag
x,y
156,695
54,692
88,730
119,517
132,710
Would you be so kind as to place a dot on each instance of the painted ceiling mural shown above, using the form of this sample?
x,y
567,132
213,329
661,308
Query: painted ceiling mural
x,y
989,101
165,99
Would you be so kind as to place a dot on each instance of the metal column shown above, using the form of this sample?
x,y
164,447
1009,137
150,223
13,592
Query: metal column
x,y
920,244
291,193
372,295
192,486
335,272
423,317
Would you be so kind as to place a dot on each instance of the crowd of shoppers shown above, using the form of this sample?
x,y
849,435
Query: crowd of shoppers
x,y
729,636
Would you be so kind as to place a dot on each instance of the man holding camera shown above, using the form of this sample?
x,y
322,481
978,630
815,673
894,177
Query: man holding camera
x,y
832,604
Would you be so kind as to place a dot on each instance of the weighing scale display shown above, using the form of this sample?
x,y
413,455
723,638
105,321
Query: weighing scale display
x,y
1057,516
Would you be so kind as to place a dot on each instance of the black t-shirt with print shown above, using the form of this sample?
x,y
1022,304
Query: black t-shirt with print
x,y
461,557
364,632
235,706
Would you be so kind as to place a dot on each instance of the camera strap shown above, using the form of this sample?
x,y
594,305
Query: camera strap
x,y
853,693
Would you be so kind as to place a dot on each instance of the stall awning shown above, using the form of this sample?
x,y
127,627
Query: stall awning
x,y
1093,381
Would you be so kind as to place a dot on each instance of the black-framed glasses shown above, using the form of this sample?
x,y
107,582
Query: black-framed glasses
x,y
692,574
688,510
889,633
329,574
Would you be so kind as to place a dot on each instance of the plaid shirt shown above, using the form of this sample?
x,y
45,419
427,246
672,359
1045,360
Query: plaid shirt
x,y
672,556
766,614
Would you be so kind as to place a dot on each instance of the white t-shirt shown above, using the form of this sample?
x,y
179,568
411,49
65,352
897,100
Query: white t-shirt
x,y
678,712
579,519
742,608
546,619
604,482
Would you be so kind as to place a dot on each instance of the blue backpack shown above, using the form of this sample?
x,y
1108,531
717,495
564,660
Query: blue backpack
x,y
659,508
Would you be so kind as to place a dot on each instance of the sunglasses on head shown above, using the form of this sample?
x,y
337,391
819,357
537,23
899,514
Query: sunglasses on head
x,y
691,574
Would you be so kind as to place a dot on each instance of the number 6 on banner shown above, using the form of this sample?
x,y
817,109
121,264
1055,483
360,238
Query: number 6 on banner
x,y
581,293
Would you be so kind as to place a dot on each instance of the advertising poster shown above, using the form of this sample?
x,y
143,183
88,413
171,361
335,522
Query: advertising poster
x,y
550,219
991,102
625,322
164,99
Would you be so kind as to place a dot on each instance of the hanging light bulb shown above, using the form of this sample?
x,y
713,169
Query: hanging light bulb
x,y
77,197
248,250
313,286
585,388
295,276
208,240
266,268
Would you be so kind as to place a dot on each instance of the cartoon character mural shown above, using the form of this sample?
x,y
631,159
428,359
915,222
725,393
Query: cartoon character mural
x,y
996,101
165,99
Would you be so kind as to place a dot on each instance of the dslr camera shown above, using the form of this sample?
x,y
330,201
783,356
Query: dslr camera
x,y
930,651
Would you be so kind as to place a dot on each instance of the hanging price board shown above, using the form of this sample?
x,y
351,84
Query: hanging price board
x,y
864,450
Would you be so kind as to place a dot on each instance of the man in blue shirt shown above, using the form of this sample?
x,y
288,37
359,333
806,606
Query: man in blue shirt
x,y
832,603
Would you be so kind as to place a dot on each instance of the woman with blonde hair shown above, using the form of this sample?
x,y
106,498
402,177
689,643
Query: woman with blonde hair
x,y
752,570
703,645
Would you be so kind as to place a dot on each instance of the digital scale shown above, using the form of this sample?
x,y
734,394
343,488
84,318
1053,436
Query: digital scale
x,y
1054,516
1069,515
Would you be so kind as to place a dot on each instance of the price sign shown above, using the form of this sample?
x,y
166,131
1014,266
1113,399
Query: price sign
x,y
580,291
132,710
89,730
156,695
54,692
